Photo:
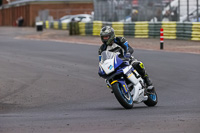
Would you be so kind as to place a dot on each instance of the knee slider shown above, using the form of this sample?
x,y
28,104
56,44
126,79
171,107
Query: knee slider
x,y
141,65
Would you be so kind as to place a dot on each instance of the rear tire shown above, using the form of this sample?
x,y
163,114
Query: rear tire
x,y
124,99
152,99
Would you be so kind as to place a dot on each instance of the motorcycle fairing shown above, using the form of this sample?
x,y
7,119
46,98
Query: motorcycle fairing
x,y
101,71
117,62
110,65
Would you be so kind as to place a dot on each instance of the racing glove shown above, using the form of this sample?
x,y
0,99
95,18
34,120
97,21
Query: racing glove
x,y
127,55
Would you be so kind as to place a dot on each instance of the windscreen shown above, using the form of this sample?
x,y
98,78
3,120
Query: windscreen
x,y
105,55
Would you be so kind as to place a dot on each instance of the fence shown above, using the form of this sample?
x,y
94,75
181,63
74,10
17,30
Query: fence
x,y
146,10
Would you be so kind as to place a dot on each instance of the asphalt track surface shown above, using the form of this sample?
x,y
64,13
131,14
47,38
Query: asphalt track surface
x,y
53,87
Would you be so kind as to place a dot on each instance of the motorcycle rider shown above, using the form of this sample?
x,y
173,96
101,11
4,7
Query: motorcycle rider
x,y
110,42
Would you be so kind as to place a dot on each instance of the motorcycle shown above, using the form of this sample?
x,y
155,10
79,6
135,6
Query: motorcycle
x,y
124,81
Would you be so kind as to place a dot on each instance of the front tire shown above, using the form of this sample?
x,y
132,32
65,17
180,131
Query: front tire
x,y
124,99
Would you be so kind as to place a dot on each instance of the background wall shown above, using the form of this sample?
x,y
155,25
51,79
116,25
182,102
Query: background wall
x,y
29,12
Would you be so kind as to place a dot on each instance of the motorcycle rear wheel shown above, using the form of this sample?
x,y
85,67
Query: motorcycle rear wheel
x,y
152,99
125,99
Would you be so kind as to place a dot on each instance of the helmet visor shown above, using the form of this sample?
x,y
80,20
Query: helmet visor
x,y
105,38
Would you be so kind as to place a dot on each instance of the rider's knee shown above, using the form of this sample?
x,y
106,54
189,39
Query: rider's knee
x,y
138,64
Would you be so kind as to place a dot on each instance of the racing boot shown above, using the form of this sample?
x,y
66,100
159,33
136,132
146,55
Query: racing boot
x,y
147,80
149,83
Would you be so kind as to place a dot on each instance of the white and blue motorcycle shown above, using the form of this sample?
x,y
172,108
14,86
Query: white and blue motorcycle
x,y
124,81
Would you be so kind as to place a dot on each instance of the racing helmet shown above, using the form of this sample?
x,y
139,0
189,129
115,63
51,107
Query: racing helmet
x,y
107,35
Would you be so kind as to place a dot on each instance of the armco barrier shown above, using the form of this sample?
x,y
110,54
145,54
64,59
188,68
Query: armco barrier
x,y
172,30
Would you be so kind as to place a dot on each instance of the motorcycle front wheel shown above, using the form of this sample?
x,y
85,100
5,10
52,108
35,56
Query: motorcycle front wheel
x,y
125,99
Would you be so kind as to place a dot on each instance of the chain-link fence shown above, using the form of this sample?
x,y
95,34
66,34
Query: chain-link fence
x,y
189,10
112,10
146,10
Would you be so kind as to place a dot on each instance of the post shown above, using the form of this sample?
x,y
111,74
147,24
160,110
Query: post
x,y
161,38
170,9
198,11
187,10
179,10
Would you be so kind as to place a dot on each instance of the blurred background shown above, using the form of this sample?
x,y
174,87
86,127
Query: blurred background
x,y
27,12
146,10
